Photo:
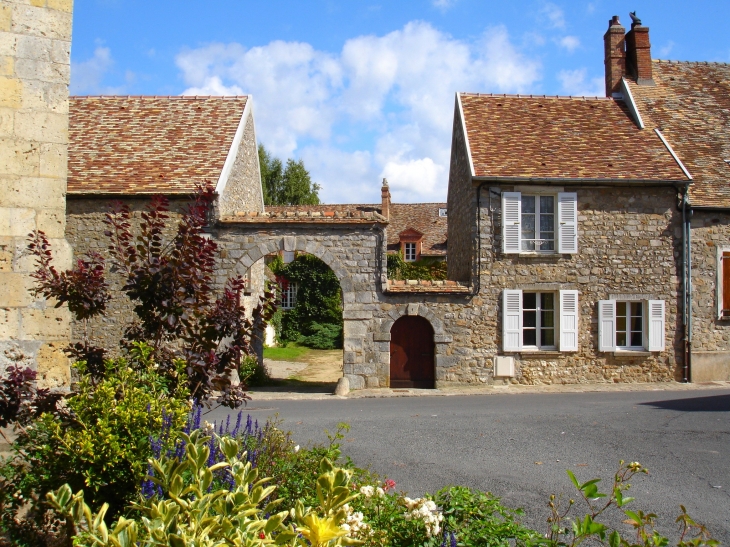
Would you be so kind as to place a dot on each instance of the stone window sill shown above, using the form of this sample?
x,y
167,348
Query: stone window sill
x,y
536,354
631,354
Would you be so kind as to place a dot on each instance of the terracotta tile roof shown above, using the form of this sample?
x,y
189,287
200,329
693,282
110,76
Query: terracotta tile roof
x,y
690,105
149,145
423,217
562,137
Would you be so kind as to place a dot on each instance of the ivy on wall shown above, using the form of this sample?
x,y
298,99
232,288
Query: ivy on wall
x,y
316,320
429,269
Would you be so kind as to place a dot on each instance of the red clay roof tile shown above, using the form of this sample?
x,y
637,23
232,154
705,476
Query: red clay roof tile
x,y
149,145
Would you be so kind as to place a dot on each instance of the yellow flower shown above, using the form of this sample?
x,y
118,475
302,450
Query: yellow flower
x,y
319,531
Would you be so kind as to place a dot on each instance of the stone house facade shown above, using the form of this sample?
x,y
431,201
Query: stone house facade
x,y
35,42
579,229
128,149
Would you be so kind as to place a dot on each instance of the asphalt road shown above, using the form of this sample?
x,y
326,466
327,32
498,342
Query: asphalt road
x,y
519,446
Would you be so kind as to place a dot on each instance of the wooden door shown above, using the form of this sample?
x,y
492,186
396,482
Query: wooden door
x,y
412,353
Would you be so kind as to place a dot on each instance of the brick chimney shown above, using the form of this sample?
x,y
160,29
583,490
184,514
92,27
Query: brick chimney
x,y
385,195
614,55
638,54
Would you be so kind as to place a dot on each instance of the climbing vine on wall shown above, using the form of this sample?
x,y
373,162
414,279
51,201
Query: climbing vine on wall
x,y
316,320
429,269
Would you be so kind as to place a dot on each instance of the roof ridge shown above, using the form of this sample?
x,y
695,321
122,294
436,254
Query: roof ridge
x,y
674,62
158,96
532,96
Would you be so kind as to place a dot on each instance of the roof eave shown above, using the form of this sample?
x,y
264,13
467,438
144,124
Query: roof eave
x,y
573,181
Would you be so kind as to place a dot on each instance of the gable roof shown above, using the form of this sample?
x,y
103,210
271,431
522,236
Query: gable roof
x,y
525,137
690,105
149,145
422,217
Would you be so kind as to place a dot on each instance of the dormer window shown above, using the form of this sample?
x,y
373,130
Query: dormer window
x,y
410,244
409,252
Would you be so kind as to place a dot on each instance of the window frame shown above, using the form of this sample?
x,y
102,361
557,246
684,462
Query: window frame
x,y
538,233
654,328
288,296
405,251
566,319
628,328
721,291
538,321
565,214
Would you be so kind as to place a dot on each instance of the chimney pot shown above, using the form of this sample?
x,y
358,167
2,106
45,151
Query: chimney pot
x,y
385,195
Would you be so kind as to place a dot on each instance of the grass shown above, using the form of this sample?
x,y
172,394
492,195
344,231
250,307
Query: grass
x,y
292,352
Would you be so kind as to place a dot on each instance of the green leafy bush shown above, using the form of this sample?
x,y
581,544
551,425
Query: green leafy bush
x,y
99,442
190,511
251,372
428,269
324,336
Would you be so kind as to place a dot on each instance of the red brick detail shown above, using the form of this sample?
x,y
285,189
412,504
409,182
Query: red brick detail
x,y
614,55
638,55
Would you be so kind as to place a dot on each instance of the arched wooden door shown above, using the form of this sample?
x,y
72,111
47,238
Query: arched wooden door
x,y
412,353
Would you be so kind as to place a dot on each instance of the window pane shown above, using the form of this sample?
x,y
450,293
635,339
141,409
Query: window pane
x,y
527,244
547,204
547,224
548,245
636,309
529,337
548,337
529,300
547,301
620,339
637,340
547,318
528,204
528,226
529,319
621,308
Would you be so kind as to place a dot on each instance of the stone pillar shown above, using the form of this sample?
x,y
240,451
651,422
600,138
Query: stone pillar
x,y
35,42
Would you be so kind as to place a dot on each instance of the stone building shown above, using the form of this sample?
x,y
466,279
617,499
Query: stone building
x,y
130,148
35,41
689,103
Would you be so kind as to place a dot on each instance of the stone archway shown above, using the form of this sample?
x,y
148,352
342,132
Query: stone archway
x,y
352,327
440,338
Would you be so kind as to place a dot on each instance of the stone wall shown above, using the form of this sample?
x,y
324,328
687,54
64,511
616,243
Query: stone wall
x,y
35,40
243,189
628,244
710,334
462,208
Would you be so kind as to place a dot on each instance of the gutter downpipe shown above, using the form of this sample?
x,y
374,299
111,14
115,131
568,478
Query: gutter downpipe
x,y
478,283
688,363
685,298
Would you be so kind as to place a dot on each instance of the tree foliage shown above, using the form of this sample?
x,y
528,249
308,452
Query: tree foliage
x,y
288,184
316,320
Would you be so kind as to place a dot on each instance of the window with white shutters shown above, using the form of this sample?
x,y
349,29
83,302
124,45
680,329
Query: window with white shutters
x,y
539,223
635,325
410,252
539,321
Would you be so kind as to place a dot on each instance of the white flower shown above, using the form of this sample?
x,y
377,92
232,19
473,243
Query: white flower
x,y
296,448
380,492
367,491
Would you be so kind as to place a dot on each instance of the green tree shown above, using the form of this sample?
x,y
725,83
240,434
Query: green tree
x,y
286,185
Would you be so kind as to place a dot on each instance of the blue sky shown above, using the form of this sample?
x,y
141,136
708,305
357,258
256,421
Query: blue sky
x,y
362,89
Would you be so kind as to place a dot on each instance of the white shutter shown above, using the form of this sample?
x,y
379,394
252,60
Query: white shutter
x,y
568,320
656,325
606,325
511,217
511,320
567,222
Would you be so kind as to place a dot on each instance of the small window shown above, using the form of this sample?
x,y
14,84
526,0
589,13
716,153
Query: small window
x,y
538,320
289,296
409,250
635,325
723,285
538,223
630,325
442,212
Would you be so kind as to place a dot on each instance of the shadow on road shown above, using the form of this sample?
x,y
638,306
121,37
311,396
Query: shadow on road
x,y
714,403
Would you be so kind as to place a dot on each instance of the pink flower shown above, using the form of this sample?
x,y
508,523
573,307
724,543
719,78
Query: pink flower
x,y
389,484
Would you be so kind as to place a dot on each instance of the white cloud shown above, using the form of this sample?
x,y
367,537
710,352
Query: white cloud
x,y
552,15
87,76
575,82
666,49
382,106
443,5
571,43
